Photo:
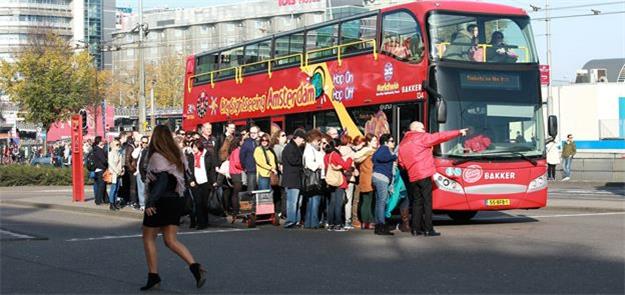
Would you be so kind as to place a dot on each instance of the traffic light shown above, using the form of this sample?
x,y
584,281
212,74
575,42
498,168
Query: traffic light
x,y
83,115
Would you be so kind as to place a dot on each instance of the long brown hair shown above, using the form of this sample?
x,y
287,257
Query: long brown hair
x,y
162,142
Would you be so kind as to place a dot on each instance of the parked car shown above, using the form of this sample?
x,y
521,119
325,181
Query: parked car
x,y
41,161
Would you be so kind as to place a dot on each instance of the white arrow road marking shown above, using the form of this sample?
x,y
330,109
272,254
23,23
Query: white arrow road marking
x,y
16,235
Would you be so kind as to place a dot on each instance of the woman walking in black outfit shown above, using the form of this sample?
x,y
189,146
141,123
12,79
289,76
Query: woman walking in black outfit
x,y
165,187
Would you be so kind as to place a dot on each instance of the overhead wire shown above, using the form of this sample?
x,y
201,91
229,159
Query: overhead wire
x,y
579,15
578,6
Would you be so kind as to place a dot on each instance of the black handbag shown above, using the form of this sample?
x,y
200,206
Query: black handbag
x,y
215,204
311,182
188,202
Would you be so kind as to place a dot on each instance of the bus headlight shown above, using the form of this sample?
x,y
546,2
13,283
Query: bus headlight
x,y
538,183
447,184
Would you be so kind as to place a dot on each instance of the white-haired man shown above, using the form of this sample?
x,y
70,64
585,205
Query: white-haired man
x,y
415,157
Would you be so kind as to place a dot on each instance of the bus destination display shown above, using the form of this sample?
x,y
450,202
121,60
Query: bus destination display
x,y
489,80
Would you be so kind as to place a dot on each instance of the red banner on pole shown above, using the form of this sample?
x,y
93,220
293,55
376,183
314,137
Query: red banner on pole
x,y
78,179
545,73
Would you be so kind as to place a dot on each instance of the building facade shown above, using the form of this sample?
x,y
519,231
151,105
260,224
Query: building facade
x,y
88,21
79,21
182,32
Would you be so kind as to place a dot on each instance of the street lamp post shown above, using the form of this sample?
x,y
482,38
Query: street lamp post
x,y
142,110
153,116
548,37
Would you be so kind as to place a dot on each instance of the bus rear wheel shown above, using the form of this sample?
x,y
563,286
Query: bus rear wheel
x,y
461,216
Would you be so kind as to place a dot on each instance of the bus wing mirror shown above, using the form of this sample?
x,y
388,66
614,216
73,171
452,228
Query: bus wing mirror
x,y
552,126
441,110
441,104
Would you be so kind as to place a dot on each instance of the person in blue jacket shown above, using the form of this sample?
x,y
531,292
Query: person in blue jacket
x,y
383,160
246,157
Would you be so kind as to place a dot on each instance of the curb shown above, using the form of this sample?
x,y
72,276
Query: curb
x,y
607,206
119,213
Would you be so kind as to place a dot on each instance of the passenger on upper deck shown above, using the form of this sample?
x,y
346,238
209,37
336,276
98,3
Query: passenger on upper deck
x,y
499,51
464,45
396,48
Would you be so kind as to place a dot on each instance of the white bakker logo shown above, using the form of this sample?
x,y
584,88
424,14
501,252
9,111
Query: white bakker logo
x,y
472,174
499,175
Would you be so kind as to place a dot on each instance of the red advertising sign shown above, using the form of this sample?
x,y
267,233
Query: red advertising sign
x,y
78,179
545,75
294,2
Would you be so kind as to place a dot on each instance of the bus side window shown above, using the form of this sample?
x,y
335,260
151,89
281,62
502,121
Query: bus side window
x,y
320,38
282,49
205,64
286,46
251,56
228,60
358,30
402,37
264,53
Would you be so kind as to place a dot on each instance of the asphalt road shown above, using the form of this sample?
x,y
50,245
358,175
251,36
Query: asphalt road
x,y
539,251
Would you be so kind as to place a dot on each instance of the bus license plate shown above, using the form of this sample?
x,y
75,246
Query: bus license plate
x,y
498,202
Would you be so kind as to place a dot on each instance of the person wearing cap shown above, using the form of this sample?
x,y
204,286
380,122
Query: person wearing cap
x,y
415,157
292,176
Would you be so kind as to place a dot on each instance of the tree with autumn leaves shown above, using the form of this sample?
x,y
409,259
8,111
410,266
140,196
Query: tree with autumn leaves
x,y
166,76
50,81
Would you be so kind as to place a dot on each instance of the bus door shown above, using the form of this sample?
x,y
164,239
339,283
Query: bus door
x,y
403,115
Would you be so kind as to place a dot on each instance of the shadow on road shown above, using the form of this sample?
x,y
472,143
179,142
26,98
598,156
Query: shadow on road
x,y
467,259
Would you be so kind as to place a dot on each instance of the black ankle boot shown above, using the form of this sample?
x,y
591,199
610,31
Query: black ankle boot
x,y
154,280
199,273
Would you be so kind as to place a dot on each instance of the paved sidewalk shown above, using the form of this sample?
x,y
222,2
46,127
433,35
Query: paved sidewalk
x,y
562,195
60,198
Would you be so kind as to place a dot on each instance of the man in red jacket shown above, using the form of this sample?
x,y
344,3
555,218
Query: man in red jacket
x,y
415,157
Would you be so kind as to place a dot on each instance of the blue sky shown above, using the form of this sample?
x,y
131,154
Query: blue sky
x,y
574,40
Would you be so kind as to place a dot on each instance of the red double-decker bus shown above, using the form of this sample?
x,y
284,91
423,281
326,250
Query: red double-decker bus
x,y
449,64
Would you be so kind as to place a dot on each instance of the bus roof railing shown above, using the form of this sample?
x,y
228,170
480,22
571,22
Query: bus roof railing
x,y
304,59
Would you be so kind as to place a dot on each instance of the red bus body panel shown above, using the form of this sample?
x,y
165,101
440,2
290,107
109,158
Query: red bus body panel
x,y
289,91
483,181
359,81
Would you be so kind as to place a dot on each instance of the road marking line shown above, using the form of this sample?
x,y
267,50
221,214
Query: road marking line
x,y
179,233
49,191
16,235
576,215
548,216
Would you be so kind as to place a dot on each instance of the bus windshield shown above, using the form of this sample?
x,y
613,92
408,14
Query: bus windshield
x,y
481,38
503,114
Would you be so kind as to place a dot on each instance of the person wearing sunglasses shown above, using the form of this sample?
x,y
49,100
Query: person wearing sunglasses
x,y
247,158
265,163
499,51
568,152
140,154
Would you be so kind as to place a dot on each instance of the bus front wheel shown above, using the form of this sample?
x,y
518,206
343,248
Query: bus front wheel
x,y
462,216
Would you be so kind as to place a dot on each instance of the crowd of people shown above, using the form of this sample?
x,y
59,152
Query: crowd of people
x,y
28,152
318,180
121,164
